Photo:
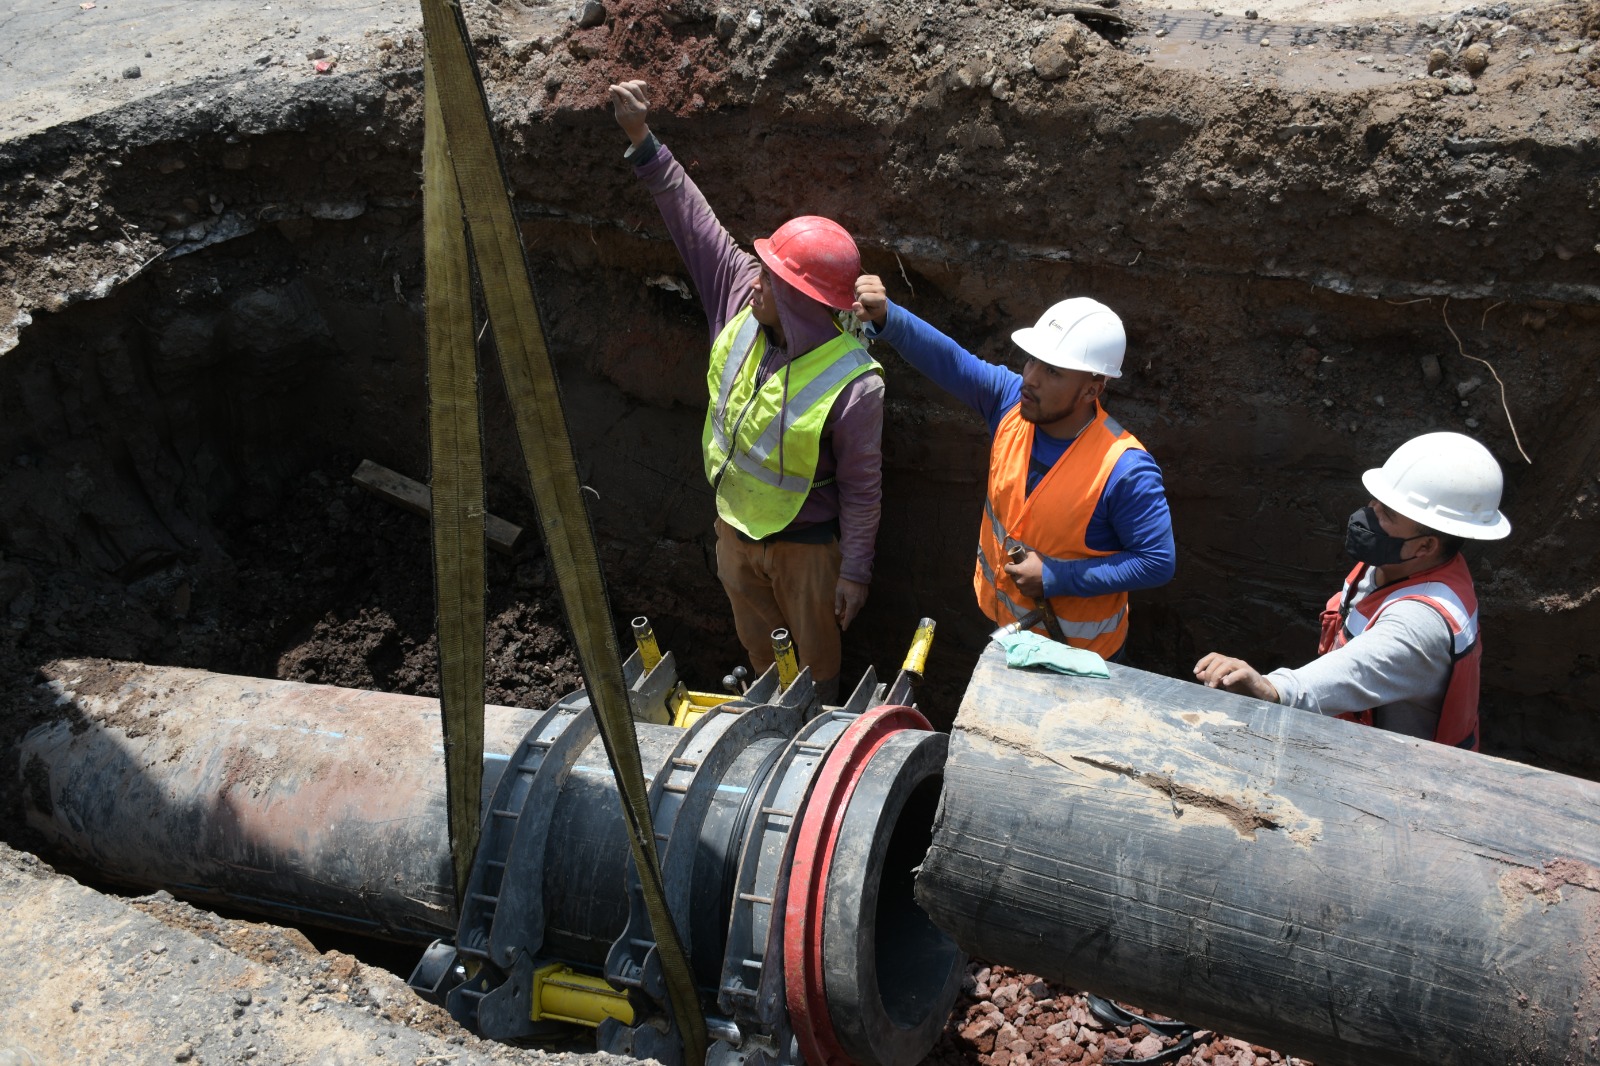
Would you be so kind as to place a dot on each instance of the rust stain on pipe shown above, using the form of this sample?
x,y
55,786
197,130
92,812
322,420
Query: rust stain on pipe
x,y
319,802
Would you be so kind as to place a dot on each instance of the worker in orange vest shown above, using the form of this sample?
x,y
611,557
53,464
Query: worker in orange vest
x,y
1071,492
1399,646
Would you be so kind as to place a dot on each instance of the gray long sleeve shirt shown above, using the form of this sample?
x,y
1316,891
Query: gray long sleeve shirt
x,y
1399,667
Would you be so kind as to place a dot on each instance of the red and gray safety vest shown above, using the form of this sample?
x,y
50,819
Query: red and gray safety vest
x,y
1446,588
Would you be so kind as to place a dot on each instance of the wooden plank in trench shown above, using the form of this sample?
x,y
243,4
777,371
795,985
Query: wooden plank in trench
x,y
414,496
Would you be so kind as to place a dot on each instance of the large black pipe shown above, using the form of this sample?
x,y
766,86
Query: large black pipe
x,y
313,804
325,806
1331,890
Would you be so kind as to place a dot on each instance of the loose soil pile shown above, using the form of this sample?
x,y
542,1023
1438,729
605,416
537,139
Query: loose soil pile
x,y
332,586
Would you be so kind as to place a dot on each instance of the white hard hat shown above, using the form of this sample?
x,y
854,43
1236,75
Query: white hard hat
x,y
1447,481
1077,334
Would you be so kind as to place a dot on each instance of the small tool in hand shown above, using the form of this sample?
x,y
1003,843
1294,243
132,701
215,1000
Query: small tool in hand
x,y
1018,553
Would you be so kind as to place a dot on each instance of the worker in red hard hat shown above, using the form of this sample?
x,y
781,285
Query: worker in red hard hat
x,y
794,424
1399,647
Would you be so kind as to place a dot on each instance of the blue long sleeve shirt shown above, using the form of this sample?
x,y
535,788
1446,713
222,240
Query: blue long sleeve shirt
x,y
1130,520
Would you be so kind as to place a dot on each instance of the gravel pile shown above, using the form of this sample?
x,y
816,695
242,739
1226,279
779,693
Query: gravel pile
x,y
1007,1018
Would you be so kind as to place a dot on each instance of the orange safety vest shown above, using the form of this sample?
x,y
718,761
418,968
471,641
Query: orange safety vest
x,y
1051,521
1447,588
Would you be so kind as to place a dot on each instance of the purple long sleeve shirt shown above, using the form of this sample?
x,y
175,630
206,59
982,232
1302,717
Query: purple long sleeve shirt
x,y
722,272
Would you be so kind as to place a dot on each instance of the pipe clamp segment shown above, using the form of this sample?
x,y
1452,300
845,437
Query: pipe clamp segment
x,y
808,879
752,969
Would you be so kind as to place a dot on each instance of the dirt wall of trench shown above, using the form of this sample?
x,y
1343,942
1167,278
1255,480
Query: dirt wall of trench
x,y
1289,260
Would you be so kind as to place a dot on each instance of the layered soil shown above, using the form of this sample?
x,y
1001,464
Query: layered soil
x,y
1323,237
1318,248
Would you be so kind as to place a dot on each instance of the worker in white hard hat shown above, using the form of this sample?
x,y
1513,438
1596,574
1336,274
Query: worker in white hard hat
x,y
1399,645
1074,498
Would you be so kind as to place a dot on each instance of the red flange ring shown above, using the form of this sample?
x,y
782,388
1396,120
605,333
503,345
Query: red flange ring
x,y
808,877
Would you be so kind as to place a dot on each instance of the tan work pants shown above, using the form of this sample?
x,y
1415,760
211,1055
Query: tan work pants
x,y
782,584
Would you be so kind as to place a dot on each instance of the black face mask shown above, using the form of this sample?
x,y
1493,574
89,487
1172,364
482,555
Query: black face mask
x,y
1366,542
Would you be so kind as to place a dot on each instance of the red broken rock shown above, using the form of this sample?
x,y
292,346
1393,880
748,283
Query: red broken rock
x,y
980,1034
1051,1026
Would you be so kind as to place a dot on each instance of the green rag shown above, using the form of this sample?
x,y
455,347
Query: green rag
x,y
1034,649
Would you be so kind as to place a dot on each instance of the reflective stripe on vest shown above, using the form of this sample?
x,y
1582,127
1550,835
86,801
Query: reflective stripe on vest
x,y
744,340
1447,589
1086,631
761,442
848,365
1052,520
1442,598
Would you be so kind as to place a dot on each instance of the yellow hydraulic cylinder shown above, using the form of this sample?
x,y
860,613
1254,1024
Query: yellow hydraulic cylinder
x,y
562,994
688,706
783,652
644,635
917,655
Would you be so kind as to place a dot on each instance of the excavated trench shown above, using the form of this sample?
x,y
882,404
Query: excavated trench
x,y
1318,249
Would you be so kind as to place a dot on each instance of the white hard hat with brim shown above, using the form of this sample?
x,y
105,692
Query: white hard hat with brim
x,y
1446,481
1077,334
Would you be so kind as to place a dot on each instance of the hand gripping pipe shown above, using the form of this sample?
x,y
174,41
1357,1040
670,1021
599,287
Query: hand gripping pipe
x,y
788,835
1331,890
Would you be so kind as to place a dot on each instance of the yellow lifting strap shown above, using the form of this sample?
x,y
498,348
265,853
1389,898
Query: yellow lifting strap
x,y
456,97
457,484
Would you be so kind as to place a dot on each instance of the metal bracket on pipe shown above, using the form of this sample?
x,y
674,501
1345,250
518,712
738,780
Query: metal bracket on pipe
x,y
518,924
485,912
751,989
866,695
679,799
650,691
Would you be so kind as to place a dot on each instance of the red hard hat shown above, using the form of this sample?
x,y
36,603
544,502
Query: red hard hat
x,y
816,256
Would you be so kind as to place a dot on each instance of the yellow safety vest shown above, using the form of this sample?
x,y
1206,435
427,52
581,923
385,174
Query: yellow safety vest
x,y
761,441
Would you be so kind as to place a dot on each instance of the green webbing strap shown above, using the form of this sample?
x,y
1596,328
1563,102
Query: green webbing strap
x,y
457,485
547,450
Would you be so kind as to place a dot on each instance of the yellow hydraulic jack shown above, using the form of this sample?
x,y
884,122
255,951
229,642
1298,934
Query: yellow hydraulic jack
x,y
562,994
685,706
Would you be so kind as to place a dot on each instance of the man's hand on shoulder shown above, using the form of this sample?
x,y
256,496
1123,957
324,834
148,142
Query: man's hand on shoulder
x,y
1234,675
872,299
632,108
848,599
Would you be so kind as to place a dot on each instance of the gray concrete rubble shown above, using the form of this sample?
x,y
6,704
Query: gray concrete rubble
x,y
73,60
94,978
